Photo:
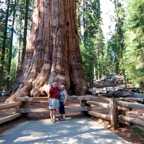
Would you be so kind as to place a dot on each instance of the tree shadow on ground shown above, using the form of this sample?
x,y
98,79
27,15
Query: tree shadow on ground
x,y
72,131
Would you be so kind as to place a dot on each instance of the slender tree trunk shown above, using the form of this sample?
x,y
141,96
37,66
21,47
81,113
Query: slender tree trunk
x,y
120,40
82,18
25,29
19,44
11,45
53,52
4,43
123,64
19,52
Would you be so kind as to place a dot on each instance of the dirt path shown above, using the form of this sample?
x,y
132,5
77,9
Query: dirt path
x,y
72,131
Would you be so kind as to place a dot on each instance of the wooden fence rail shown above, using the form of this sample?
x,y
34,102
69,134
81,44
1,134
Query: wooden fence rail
x,y
130,105
25,102
15,105
10,105
132,120
140,100
117,109
99,115
98,104
9,118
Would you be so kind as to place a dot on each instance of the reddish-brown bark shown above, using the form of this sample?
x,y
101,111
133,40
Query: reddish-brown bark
x,y
53,52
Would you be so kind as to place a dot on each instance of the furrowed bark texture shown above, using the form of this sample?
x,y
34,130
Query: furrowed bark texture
x,y
53,52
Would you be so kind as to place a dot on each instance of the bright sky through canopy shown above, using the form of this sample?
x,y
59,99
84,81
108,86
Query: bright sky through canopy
x,y
107,9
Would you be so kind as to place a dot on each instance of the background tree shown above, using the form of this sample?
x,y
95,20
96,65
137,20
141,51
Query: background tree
x,y
134,35
25,28
13,13
11,42
4,37
115,45
23,20
92,40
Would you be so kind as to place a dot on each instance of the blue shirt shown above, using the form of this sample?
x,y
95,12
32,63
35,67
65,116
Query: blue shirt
x,y
62,95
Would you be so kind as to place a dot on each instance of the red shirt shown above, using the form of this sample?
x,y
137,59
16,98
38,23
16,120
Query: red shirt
x,y
54,93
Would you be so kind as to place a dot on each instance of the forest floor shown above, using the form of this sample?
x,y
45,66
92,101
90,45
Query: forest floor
x,y
127,133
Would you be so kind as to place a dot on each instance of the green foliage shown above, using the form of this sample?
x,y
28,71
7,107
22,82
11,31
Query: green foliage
x,y
134,54
138,130
11,59
125,49
112,56
92,40
5,63
115,45
13,66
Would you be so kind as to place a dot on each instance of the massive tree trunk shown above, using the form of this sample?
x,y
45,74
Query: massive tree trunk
x,y
53,52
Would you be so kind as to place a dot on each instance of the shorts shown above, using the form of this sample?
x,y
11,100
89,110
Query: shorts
x,y
62,108
54,104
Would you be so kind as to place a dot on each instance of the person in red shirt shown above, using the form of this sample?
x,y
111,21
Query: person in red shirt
x,y
53,99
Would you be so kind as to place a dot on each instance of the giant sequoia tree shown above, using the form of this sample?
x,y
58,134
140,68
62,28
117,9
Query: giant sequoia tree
x,y
53,52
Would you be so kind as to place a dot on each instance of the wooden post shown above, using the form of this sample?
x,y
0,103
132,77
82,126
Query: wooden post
x,y
83,104
121,123
130,109
24,106
123,113
114,117
89,109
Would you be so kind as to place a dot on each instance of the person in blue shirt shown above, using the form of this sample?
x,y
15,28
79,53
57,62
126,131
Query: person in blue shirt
x,y
62,99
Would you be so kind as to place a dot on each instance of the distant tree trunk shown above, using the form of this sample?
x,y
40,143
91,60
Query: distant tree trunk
x,y
19,43
53,52
11,45
82,18
19,49
123,64
4,43
25,29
